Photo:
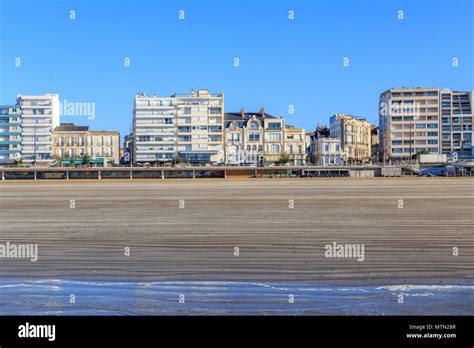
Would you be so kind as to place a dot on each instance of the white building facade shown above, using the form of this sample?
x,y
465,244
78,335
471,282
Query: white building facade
x,y
185,126
328,151
39,116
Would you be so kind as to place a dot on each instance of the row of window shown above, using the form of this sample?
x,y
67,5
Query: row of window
x,y
100,152
415,142
416,134
418,94
415,150
79,141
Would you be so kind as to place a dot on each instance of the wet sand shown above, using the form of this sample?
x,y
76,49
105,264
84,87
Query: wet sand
x,y
409,245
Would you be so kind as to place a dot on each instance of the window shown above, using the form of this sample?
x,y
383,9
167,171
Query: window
x,y
274,137
274,126
254,137
214,111
253,125
274,148
234,137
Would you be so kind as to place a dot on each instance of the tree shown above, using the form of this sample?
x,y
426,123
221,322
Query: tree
x,y
284,159
177,160
19,161
86,159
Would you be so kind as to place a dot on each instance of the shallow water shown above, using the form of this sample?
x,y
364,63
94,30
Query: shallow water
x,y
52,297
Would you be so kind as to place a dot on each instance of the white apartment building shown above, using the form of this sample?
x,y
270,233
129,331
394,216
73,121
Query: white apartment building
x,y
39,117
328,151
456,122
425,120
185,126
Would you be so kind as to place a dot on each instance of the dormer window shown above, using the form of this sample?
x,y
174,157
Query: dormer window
x,y
253,125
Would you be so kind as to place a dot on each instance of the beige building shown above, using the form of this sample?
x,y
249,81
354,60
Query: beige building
x,y
71,143
186,126
425,120
260,139
409,122
354,134
295,145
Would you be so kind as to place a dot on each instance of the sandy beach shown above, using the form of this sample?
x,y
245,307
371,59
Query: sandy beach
x,y
190,229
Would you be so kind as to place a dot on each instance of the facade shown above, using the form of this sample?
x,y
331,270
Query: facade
x,y
409,122
10,134
328,151
72,143
185,126
354,134
456,123
295,145
39,116
425,120
260,139
325,150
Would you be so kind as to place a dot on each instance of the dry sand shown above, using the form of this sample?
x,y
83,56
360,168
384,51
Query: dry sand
x,y
409,245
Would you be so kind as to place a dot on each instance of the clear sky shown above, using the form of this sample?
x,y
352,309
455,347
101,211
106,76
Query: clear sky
x,y
282,62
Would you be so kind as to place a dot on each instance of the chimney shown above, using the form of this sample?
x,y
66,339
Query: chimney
x,y
242,113
262,112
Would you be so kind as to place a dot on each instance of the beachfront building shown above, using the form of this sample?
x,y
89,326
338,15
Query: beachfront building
x,y
39,116
10,134
295,145
409,123
72,143
354,134
328,151
260,139
325,150
456,123
185,126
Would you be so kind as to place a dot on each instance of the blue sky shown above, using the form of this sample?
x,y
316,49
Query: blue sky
x,y
282,62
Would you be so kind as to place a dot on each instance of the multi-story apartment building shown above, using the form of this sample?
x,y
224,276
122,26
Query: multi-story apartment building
x,y
425,120
260,139
72,143
39,116
188,126
354,134
409,122
456,122
10,134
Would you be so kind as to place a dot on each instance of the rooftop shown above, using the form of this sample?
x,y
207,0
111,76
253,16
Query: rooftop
x,y
70,127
